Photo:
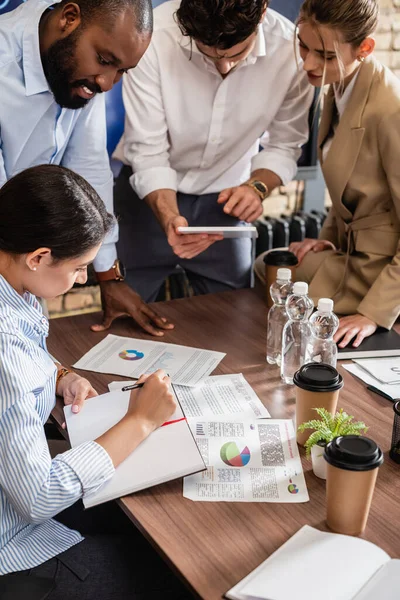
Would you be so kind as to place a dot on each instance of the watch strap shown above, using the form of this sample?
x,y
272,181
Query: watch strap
x,y
113,274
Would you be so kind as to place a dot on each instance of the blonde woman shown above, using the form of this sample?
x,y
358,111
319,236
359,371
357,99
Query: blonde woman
x,y
356,260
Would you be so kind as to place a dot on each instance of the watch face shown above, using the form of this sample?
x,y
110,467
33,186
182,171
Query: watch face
x,y
260,186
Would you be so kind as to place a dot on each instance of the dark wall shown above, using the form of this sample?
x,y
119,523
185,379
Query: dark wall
x,y
289,8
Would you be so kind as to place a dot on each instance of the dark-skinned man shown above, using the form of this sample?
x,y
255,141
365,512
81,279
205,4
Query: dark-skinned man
x,y
56,59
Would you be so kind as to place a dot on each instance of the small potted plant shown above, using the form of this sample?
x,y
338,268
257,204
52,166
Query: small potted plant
x,y
325,429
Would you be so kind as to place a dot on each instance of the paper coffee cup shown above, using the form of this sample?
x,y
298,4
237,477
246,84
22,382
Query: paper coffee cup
x,y
352,469
274,260
317,386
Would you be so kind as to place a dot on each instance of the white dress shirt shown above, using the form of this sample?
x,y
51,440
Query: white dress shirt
x,y
341,101
35,130
189,129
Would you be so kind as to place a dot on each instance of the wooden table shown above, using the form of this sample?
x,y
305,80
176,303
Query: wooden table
x,y
213,545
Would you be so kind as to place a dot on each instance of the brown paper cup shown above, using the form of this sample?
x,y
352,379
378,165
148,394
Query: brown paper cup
x,y
306,401
348,496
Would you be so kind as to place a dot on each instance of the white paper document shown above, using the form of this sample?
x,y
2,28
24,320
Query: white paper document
x,y
220,396
217,396
385,370
392,390
247,461
314,565
131,358
168,453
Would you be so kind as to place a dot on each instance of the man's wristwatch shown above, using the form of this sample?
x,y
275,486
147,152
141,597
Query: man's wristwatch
x,y
259,187
116,273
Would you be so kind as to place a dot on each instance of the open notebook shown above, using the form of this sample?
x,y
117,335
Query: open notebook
x,y
168,453
314,565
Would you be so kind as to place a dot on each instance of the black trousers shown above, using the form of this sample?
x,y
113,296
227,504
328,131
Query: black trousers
x,y
114,562
149,259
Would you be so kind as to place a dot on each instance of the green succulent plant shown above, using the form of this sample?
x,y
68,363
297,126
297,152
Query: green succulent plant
x,y
328,427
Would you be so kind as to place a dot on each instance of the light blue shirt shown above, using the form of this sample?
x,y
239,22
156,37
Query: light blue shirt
x,y
35,130
33,487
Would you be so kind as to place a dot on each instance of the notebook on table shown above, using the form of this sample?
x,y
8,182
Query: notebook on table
x,y
381,343
314,565
168,453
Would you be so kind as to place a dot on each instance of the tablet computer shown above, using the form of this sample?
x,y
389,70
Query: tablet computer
x,y
241,231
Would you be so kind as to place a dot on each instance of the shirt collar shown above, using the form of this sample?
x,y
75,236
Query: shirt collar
x,y
341,100
26,307
35,79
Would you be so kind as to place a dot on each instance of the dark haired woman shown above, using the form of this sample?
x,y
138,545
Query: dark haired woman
x,y
356,261
52,224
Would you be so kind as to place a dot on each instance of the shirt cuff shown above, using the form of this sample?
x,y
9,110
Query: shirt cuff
x,y
91,464
105,258
280,164
156,178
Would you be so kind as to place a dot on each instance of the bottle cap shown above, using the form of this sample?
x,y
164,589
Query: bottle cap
x,y
318,377
325,305
284,274
280,258
300,288
353,453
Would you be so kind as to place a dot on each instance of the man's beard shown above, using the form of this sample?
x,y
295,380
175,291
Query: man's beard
x,y
59,65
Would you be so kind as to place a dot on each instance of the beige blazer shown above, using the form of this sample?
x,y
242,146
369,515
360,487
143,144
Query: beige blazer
x,y
362,173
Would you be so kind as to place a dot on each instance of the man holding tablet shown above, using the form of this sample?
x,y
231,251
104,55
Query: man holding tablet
x,y
218,80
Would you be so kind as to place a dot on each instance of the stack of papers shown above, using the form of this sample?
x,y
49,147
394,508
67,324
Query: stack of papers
x,y
249,457
381,374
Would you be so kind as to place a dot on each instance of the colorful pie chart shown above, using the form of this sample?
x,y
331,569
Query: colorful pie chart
x,y
131,355
231,455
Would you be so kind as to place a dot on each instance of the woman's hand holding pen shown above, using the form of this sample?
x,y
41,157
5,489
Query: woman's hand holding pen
x,y
153,403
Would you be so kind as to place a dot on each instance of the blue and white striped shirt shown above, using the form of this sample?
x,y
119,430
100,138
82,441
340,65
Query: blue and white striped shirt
x,y
33,487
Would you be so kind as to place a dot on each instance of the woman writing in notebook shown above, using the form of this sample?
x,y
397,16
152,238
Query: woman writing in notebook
x,y
52,224
356,260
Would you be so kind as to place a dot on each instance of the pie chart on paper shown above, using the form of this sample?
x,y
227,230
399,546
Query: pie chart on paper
x,y
131,355
232,456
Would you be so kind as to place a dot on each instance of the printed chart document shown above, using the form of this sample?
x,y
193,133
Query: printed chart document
x,y
385,370
217,396
168,453
131,358
392,391
247,461
314,565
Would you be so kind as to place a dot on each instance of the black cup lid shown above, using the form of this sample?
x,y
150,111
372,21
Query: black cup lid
x,y
318,377
353,453
280,258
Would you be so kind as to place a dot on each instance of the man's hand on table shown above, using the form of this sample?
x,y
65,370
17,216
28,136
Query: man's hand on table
x,y
354,326
187,246
120,300
241,202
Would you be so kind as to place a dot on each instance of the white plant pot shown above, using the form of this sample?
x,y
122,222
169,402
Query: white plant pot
x,y
318,461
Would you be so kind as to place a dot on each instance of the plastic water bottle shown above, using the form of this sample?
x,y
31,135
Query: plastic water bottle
x,y
296,332
277,315
321,347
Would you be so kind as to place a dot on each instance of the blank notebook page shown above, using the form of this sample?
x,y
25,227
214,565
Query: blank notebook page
x,y
314,565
